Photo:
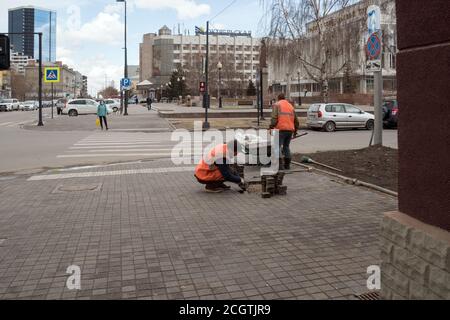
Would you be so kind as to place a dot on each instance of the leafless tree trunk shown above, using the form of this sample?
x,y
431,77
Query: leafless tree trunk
x,y
304,31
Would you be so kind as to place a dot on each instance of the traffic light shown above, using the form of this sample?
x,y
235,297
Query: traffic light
x,y
202,87
4,52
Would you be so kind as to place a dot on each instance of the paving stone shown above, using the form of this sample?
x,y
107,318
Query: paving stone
x,y
159,236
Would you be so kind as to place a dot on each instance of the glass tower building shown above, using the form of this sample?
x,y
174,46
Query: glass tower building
x,y
29,20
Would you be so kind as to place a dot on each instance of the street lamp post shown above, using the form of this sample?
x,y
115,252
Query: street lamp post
x,y
181,81
206,125
299,89
219,93
124,94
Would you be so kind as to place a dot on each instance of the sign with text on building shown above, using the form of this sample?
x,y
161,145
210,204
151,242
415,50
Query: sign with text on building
x,y
218,32
52,74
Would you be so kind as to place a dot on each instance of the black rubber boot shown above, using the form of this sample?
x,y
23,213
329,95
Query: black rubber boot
x,y
281,164
287,164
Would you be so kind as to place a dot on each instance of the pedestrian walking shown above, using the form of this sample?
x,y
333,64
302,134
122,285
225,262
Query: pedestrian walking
x,y
102,112
149,103
136,100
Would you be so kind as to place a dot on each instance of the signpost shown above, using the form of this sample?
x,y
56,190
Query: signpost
x,y
52,75
374,50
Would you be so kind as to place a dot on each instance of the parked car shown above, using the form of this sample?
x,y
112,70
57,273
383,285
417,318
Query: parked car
x,y
76,107
29,105
113,104
332,116
9,105
390,113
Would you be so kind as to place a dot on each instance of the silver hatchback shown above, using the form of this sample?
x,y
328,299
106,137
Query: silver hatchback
x,y
332,116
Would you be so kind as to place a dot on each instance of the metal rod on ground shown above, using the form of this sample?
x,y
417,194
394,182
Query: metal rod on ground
x,y
309,160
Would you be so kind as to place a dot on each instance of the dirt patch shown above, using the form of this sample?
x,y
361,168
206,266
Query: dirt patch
x,y
223,124
376,165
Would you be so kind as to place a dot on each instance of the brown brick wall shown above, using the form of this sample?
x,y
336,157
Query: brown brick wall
x,y
423,74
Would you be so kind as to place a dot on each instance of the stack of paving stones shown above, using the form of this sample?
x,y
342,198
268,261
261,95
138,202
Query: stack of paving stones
x,y
273,185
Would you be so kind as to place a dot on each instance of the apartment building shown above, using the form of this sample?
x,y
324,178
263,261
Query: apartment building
x,y
161,53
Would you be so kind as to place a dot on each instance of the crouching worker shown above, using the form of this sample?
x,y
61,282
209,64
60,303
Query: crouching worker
x,y
214,169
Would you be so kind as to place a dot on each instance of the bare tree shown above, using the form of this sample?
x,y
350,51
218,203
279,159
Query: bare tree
x,y
308,32
18,86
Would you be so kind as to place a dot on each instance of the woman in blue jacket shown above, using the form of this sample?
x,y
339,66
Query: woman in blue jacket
x,y
102,112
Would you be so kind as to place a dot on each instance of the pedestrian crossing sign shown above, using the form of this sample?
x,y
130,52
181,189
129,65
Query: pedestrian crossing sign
x,y
51,74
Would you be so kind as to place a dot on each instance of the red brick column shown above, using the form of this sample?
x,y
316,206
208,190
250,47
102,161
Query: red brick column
x,y
423,73
416,241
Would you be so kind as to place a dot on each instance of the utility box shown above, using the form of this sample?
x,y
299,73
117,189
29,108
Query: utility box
x,y
5,59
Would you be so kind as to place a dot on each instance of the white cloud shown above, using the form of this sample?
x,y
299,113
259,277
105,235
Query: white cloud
x,y
186,9
97,69
106,28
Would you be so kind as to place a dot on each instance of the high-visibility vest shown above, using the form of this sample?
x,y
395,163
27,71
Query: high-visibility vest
x,y
207,169
286,116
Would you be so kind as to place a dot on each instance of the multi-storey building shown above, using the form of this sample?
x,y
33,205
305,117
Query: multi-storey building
x,y
5,84
290,76
19,62
161,53
71,82
23,22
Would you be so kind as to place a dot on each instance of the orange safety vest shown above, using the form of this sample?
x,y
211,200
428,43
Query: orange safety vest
x,y
206,169
286,116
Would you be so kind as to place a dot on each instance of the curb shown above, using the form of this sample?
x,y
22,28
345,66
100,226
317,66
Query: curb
x,y
350,181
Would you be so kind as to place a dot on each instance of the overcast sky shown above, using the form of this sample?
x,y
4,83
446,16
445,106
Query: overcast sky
x,y
90,32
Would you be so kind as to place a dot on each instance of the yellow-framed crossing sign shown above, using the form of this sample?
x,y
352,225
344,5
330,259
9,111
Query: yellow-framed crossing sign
x,y
52,74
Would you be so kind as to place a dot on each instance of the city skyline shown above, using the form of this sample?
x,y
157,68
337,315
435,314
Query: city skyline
x,y
90,34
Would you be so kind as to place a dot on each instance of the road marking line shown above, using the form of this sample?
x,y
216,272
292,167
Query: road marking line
x,y
110,173
139,150
5,124
107,155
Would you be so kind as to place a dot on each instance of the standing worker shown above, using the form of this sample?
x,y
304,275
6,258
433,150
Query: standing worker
x,y
286,121
102,112
214,169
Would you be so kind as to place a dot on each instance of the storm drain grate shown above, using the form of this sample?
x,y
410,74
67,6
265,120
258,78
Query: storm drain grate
x,y
370,296
78,188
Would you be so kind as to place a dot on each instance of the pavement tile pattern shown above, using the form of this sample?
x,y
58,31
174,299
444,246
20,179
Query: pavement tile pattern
x,y
159,236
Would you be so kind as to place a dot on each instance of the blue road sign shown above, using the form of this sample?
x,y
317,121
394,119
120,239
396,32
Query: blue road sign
x,y
374,47
125,84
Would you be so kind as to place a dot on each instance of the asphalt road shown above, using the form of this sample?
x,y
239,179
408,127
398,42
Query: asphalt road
x,y
66,141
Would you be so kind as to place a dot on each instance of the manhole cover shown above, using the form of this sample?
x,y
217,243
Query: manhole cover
x,y
368,296
78,188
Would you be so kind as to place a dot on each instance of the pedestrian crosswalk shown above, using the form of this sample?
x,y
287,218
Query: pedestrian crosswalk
x,y
120,145
12,124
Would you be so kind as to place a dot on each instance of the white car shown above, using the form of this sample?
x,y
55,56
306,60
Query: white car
x,y
9,105
332,116
114,105
29,105
76,107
